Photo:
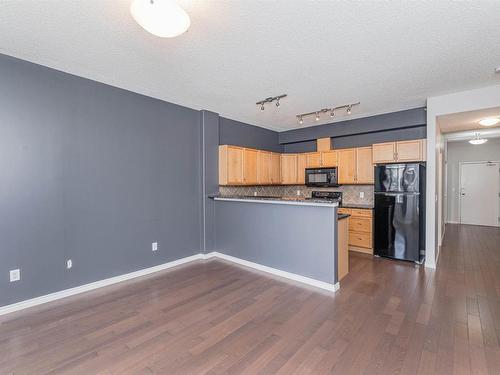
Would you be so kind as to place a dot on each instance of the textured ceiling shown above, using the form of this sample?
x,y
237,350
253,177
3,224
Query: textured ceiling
x,y
389,55
462,121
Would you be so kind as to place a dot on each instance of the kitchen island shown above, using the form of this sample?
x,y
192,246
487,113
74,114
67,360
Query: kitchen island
x,y
292,238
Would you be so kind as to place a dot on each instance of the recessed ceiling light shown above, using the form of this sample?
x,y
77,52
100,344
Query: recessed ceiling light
x,y
477,140
489,121
163,18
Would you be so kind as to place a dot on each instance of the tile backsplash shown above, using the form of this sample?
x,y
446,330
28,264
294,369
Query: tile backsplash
x,y
350,193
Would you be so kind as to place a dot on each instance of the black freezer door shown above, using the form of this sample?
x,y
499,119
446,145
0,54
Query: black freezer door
x,y
398,177
397,226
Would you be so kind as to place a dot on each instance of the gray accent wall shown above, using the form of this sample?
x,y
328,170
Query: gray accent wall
x,y
293,238
94,174
389,121
367,139
237,133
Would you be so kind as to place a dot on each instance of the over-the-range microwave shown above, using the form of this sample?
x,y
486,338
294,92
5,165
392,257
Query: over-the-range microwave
x,y
322,177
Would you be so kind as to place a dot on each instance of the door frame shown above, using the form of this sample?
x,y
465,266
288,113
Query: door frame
x,y
460,184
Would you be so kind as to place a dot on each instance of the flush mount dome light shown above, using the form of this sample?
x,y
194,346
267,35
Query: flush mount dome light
x,y
489,121
163,18
477,140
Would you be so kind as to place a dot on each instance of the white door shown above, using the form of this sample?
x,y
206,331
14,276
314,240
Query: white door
x,y
479,189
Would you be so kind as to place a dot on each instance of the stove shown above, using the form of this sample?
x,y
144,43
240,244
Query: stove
x,y
330,196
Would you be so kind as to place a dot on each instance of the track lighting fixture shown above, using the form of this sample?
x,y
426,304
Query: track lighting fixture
x,y
326,110
270,100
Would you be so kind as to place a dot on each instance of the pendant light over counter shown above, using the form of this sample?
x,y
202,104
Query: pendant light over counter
x,y
163,18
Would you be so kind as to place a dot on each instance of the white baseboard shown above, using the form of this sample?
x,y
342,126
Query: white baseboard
x,y
95,285
276,272
132,275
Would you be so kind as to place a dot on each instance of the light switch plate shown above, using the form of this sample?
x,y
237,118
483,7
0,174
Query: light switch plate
x,y
361,194
69,264
154,246
15,275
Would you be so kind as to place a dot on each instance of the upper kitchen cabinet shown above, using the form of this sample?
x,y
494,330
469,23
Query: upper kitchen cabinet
x,y
411,150
230,165
263,168
313,159
355,166
329,159
301,168
250,166
401,151
289,169
347,166
275,169
364,166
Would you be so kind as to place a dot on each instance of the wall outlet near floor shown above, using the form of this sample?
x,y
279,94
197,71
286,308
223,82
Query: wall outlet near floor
x,y
361,194
69,264
154,246
15,275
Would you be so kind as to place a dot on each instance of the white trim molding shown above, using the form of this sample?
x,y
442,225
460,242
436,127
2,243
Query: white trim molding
x,y
132,275
95,285
287,275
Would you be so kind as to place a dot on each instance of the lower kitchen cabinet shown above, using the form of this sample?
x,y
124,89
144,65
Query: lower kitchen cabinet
x,y
343,248
360,229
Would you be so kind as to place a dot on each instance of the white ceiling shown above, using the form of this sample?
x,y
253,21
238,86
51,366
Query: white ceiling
x,y
467,120
389,55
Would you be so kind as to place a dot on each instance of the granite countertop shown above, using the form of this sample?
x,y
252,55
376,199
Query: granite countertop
x,y
272,199
359,205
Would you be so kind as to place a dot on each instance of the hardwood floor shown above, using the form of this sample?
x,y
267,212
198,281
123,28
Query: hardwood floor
x,y
213,317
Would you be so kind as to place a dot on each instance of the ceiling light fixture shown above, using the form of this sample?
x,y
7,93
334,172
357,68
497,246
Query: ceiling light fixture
x,y
489,121
270,100
163,18
326,110
497,69
477,140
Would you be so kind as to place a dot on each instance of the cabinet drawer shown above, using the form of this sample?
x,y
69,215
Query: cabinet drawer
x,y
360,224
361,212
360,239
344,211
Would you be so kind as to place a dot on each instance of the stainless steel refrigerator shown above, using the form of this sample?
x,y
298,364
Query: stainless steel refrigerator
x,y
400,211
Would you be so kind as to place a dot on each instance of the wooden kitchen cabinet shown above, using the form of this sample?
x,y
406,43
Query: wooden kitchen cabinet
x,y
263,168
401,151
301,169
313,159
275,168
250,166
288,169
410,150
343,248
360,229
347,166
329,159
230,165
364,166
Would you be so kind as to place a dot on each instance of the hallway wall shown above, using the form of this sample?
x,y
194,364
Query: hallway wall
x,y
462,151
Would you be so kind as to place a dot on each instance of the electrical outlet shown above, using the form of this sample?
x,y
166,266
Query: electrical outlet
x,y
15,275
254,193
298,193
154,246
361,194
69,264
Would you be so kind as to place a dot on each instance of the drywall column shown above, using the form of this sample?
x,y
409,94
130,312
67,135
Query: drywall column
x,y
210,174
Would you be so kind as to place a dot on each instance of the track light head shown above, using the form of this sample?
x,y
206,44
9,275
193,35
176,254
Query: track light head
x,y
317,116
277,103
332,112
349,109
301,120
262,107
